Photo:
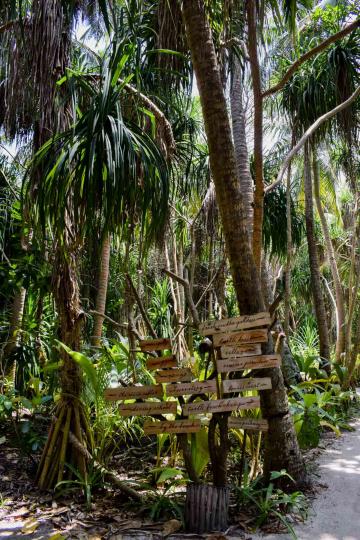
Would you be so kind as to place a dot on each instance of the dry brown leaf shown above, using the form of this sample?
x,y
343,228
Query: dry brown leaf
x,y
30,526
171,526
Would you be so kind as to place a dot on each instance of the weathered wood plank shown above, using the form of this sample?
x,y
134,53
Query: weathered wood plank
x,y
239,385
173,375
248,349
145,409
249,362
159,344
183,389
256,320
250,424
133,392
221,405
234,338
161,362
176,426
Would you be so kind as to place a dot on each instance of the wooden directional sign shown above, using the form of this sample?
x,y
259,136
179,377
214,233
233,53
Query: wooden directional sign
x,y
256,320
235,338
155,344
177,426
183,389
133,392
248,362
146,409
250,424
239,385
221,405
173,375
248,349
161,362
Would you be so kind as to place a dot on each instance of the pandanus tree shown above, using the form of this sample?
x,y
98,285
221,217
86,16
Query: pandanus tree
x,y
102,172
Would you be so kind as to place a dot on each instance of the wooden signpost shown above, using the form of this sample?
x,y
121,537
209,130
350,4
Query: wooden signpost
x,y
155,344
161,362
183,389
173,375
221,405
250,424
177,426
234,338
239,385
248,349
210,328
248,362
237,346
134,392
146,409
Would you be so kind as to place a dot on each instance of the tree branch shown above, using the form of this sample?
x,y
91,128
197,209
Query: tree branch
x,y
308,134
309,54
189,298
141,307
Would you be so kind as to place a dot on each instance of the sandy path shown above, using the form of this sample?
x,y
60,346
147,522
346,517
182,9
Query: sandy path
x,y
335,514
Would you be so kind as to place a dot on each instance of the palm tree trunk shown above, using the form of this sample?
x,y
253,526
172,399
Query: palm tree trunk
x,y
282,450
318,297
339,296
17,312
100,303
288,255
239,136
258,132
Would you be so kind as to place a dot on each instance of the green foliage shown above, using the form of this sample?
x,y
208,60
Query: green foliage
x,y
274,225
271,502
160,308
97,161
93,480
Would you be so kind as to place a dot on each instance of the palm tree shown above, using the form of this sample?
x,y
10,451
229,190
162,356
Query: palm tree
x,y
281,448
100,302
99,174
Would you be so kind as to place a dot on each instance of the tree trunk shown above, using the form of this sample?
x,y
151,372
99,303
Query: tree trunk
x,y
70,414
258,132
17,312
339,296
284,446
103,279
239,136
288,255
315,277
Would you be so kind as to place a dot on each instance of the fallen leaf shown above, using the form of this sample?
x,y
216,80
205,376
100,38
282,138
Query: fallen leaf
x,y
30,526
56,536
171,526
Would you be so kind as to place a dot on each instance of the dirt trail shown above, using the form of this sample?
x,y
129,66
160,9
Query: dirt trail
x,y
335,514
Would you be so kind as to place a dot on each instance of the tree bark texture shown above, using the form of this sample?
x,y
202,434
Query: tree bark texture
x,y
319,304
206,508
239,136
246,280
103,279
258,131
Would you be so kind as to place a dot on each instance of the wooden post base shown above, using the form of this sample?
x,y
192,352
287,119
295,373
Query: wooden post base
x,y
206,508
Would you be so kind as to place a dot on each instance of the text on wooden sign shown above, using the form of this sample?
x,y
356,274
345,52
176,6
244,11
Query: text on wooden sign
x,y
221,405
183,389
145,409
239,385
247,336
161,362
176,426
209,328
173,375
248,349
250,424
133,392
249,362
155,344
